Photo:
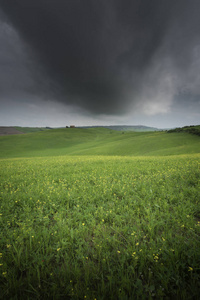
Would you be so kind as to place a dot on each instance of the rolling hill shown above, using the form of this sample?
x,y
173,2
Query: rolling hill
x,y
97,141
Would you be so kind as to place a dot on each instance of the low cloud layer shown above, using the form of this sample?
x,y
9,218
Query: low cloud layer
x,y
106,57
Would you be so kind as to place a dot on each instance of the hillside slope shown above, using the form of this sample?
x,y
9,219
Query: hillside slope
x,y
97,141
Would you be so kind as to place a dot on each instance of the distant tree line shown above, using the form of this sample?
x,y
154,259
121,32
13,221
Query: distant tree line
x,y
190,129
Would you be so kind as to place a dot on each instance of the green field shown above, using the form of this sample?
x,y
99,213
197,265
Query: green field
x,y
97,141
99,214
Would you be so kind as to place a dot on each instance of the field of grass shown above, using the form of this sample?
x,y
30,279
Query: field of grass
x,y
97,141
97,214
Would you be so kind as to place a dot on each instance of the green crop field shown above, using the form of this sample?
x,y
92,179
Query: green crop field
x,y
99,214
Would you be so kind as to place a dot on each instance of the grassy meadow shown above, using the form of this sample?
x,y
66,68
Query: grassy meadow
x,y
99,214
97,141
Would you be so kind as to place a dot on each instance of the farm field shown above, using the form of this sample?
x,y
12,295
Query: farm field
x,y
90,221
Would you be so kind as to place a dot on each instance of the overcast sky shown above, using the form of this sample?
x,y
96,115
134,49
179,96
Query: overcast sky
x,y
99,62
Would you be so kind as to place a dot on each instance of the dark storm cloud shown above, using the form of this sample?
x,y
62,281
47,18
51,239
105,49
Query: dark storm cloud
x,y
106,55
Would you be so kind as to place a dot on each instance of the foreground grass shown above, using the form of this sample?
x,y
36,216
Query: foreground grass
x,y
100,228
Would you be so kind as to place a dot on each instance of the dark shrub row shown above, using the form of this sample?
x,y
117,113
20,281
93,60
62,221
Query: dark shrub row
x,y
190,129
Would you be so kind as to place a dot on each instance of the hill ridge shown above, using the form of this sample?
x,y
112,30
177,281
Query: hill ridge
x,y
98,141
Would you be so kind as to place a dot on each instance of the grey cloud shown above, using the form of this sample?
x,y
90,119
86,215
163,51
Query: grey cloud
x,y
106,56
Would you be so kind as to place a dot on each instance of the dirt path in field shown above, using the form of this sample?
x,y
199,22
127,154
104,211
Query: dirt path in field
x,y
9,130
